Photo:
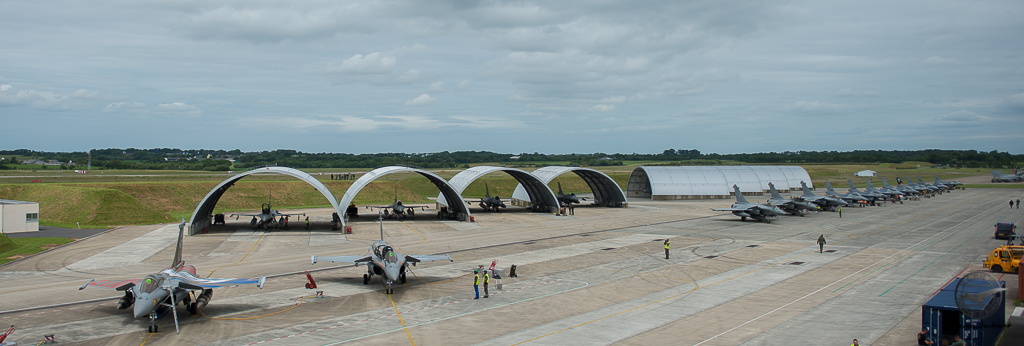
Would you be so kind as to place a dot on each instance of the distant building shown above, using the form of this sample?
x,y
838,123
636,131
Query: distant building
x,y
514,158
712,182
866,173
18,216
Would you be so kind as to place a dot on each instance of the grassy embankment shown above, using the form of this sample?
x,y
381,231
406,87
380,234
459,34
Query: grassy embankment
x,y
12,249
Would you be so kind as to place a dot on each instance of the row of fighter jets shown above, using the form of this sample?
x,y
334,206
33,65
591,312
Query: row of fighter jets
x,y
799,205
160,293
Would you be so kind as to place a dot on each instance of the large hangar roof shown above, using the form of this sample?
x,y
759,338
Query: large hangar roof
x,y
685,182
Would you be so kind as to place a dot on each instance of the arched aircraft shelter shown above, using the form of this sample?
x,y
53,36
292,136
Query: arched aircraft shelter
x,y
204,211
537,191
446,189
606,191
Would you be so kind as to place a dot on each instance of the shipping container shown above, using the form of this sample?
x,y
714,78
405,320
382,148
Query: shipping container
x,y
943,319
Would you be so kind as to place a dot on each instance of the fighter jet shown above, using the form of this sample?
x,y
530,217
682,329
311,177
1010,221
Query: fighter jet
x,y
939,187
154,294
488,202
382,259
756,211
931,190
850,197
267,218
397,209
1000,177
568,198
827,201
906,190
951,183
872,197
790,206
889,193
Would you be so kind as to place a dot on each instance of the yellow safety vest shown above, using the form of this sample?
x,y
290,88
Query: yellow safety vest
x,y
476,279
666,245
487,278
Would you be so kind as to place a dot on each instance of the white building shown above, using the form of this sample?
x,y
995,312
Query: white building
x,y
18,216
710,182
866,173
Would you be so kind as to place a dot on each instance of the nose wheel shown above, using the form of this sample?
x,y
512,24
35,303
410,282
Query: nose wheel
x,y
153,328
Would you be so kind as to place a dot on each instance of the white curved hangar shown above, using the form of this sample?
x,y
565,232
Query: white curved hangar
x,y
446,189
204,211
710,182
606,191
540,196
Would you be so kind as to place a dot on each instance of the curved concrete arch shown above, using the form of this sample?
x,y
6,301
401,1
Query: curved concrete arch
x,y
446,189
606,191
204,211
538,192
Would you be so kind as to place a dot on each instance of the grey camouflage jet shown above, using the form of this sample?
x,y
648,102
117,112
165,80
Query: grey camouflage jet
x,y
790,206
267,218
829,202
490,203
889,193
1000,177
849,197
384,260
756,211
939,187
871,196
397,209
951,183
159,292
906,190
567,198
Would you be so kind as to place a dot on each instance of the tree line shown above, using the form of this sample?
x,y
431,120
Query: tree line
x,y
223,160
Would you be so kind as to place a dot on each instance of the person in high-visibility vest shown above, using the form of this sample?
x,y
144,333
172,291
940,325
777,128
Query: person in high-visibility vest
x,y
476,283
487,280
666,248
307,223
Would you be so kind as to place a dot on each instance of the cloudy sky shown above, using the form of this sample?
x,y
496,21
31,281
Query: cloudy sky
x,y
512,76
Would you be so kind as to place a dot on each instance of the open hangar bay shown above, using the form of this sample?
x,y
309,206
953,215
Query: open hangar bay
x,y
598,277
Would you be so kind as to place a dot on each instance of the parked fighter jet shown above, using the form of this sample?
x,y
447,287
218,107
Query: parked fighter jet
x,y
939,187
397,208
829,202
756,211
382,259
157,292
951,183
568,198
906,190
889,193
1000,177
850,197
931,190
267,218
790,206
872,197
488,202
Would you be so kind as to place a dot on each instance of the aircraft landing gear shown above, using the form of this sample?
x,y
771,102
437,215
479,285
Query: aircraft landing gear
x,y
743,218
366,279
153,328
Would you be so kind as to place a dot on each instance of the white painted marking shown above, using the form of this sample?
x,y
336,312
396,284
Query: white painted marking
x,y
131,252
1017,311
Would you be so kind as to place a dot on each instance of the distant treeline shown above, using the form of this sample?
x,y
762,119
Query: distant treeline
x,y
223,160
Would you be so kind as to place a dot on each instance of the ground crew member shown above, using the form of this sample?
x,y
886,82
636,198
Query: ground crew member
x,y
821,244
1018,203
476,283
487,280
855,343
840,212
307,223
512,272
1011,204
667,243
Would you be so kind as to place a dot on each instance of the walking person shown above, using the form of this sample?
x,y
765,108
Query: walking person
x,y
307,223
1011,204
1018,203
821,244
667,243
476,283
487,280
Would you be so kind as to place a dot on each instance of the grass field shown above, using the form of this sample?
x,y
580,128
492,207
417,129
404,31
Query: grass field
x,y
26,246
102,199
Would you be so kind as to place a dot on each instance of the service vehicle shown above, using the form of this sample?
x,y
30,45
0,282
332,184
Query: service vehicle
x,y
1005,258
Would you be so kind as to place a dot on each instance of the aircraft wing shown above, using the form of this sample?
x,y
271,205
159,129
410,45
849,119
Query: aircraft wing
x,y
119,285
187,280
346,259
731,209
427,258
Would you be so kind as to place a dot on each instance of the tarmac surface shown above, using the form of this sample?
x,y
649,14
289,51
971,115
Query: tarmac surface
x,y
598,277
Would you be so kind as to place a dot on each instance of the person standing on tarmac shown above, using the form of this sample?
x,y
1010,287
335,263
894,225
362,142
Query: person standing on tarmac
x,y
487,280
307,223
840,212
821,243
667,243
476,283
1018,203
1011,204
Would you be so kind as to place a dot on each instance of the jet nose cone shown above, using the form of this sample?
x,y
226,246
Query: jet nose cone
x,y
143,306
392,272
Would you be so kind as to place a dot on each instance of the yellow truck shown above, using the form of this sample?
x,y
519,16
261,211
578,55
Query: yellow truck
x,y
1005,258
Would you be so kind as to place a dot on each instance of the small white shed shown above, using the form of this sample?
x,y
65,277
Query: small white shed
x,y
866,173
18,216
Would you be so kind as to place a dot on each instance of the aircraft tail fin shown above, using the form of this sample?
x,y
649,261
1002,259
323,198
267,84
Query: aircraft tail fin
x,y
870,185
829,189
885,183
560,189
807,191
851,184
919,181
177,250
739,195
487,191
775,193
